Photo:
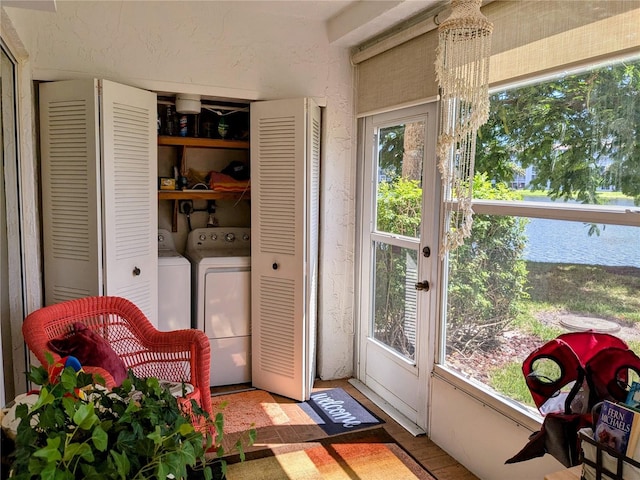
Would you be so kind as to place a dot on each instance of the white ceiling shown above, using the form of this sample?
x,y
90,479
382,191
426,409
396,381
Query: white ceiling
x,y
361,20
348,22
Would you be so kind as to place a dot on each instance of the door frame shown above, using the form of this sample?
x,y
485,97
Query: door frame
x,y
26,292
428,331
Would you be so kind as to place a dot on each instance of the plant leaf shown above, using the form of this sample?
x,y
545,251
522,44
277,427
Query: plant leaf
x,y
253,436
85,416
208,474
122,463
240,449
156,436
188,454
163,469
45,398
69,404
172,464
39,375
100,438
69,379
49,472
82,450
50,452
185,429
219,423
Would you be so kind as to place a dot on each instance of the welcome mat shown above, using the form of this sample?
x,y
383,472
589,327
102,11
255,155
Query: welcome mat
x,y
336,412
369,454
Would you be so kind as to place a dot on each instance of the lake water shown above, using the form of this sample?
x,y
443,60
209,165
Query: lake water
x,y
557,241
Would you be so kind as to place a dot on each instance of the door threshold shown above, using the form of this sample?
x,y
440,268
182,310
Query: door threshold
x,y
387,408
227,389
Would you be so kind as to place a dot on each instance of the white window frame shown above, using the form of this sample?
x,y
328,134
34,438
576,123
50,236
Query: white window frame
x,y
29,296
529,417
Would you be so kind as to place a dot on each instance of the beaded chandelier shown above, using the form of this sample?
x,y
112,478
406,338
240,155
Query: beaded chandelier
x,y
462,71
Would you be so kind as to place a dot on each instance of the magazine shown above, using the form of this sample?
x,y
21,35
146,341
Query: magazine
x,y
633,397
618,427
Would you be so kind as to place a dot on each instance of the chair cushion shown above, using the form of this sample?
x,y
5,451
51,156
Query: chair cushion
x,y
90,349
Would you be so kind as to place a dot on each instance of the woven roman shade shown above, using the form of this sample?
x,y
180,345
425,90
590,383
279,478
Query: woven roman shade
x,y
533,37
530,38
398,76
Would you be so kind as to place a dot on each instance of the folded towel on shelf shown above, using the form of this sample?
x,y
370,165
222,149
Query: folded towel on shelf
x,y
220,182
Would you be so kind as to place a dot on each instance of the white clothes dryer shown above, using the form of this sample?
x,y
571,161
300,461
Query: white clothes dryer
x,y
221,278
174,286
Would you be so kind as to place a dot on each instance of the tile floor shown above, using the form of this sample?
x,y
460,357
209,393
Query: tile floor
x,y
432,457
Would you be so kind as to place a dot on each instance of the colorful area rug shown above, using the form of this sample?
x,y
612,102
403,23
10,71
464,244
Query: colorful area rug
x,y
367,454
336,412
251,409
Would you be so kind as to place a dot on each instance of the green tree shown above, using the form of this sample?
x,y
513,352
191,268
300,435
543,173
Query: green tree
x,y
398,207
391,151
487,275
580,132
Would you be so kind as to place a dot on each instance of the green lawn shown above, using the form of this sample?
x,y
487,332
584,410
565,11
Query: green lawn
x,y
603,196
607,292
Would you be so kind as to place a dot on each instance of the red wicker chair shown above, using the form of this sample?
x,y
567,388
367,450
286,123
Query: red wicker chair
x,y
177,356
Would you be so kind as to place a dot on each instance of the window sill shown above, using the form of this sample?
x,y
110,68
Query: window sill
x,y
629,216
528,418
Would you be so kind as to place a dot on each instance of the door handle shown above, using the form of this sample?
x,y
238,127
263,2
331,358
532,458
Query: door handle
x,y
423,285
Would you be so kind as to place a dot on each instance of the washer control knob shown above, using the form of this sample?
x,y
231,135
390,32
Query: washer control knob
x,y
202,237
230,237
245,237
214,236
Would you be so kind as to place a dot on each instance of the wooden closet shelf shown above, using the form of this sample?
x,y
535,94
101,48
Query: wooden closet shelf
x,y
201,195
202,142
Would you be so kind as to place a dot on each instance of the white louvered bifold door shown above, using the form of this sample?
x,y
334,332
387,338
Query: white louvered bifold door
x,y
312,225
284,204
70,190
99,164
129,186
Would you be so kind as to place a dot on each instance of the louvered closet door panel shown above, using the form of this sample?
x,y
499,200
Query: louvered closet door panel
x,y
312,225
70,189
278,174
129,149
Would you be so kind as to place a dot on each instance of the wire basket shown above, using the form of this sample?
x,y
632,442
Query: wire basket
x,y
600,462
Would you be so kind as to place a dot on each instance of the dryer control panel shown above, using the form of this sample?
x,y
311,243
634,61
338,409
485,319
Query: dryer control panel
x,y
230,239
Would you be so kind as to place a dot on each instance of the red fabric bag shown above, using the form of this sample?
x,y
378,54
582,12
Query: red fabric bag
x,y
588,367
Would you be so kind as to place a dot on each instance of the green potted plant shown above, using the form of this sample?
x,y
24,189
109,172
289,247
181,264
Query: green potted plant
x,y
78,429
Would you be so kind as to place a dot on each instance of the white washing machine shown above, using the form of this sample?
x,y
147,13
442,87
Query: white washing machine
x,y
221,278
174,286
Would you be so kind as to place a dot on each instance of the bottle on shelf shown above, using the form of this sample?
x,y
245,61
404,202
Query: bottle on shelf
x,y
169,122
183,125
223,127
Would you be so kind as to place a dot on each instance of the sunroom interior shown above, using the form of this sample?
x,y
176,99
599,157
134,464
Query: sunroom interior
x,y
370,67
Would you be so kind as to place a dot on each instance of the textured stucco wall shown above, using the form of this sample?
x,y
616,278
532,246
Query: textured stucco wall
x,y
231,50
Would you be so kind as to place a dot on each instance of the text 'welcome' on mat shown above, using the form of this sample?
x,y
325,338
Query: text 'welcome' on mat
x,y
335,411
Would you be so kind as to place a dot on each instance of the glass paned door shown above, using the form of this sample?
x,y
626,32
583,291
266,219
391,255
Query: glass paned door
x,y
398,213
398,217
395,300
